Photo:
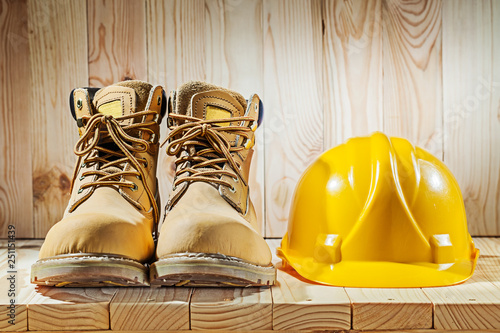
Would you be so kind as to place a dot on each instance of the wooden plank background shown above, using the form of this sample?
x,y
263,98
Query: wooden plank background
x,y
327,70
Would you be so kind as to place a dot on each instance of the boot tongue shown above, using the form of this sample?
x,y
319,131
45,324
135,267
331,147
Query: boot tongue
x,y
207,101
122,98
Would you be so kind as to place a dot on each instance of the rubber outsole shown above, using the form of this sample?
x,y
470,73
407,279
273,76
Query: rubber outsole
x,y
209,270
89,270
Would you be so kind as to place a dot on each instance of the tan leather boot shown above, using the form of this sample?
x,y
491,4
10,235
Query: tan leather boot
x,y
106,234
209,236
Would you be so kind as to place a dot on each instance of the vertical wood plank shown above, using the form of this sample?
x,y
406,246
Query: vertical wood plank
x,y
413,72
117,41
471,92
176,54
176,41
55,71
234,59
16,193
353,79
293,130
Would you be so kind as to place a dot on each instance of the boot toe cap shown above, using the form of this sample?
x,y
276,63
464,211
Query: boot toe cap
x,y
213,234
99,234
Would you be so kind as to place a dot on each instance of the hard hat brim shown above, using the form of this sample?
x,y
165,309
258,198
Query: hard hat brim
x,y
380,274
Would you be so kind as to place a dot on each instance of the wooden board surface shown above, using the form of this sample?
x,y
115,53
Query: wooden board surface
x,y
16,193
150,309
55,71
293,129
296,331
475,303
292,304
300,305
327,70
117,41
399,309
413,72
471,97
231,309
26,253
70,308
353,75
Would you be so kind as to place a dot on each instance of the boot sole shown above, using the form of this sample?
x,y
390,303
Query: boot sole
x,y
89,270
209,270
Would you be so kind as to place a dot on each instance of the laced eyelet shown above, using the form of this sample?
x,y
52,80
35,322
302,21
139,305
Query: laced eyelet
x,y
138,177
80,190
82,177
232,189
236,180
174,187
83,165
254,126
134,188
248,144
146,164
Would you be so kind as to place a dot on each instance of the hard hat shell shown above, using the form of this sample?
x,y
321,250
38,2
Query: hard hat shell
x,y
378,212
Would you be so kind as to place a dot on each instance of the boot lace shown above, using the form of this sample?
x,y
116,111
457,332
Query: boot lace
x,y
211,148
102,132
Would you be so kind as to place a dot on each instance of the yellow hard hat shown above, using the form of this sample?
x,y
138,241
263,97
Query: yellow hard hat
x,y
378,212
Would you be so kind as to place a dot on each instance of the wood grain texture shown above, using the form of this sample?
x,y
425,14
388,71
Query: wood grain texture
x,y
353,73
488,246
55,71
292,331
176,41
432,66
471,97
467,306
300,305
70,309
413,72
176,54
231,309
234,59
117,41
26,254
490,259
474,304
16,193
389,308
150,309
293,130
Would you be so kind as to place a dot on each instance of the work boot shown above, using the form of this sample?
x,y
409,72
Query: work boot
x,y
209,236
106,234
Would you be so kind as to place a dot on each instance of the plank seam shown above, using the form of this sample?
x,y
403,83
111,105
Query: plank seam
x,y
189,306
109,308
351,306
